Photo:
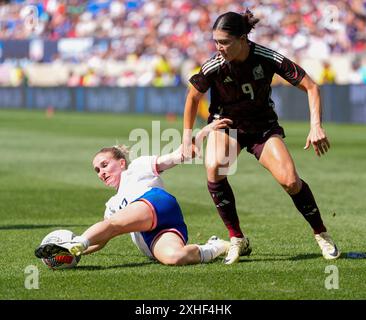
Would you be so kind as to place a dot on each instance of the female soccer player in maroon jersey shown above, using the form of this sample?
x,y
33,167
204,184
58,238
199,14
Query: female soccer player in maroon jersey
x,y
239,76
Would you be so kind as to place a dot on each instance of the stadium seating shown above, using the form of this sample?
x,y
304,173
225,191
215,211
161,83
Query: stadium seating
x,y
178,31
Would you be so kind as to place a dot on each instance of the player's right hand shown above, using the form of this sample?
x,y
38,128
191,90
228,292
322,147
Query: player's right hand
x,y
188,145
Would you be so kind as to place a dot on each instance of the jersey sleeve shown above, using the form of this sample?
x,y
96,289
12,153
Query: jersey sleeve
x,y
203,80
281,65
145,165
290,71
200,82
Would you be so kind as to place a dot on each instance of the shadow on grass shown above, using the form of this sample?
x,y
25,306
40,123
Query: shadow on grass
x,y
118,266
307,256
39,226
279,257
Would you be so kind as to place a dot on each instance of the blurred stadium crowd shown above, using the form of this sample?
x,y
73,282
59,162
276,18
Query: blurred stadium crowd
x,y
160,43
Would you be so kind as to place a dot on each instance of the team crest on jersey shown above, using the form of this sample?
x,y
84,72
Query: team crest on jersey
x,y
258,72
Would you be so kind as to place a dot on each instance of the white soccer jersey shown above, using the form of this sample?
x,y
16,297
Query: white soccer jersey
x,y
139,178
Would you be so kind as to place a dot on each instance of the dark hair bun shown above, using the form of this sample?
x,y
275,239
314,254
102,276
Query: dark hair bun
x,y
236,24
249,19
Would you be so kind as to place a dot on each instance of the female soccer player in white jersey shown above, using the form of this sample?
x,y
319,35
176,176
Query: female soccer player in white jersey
x,y
239,76
143,208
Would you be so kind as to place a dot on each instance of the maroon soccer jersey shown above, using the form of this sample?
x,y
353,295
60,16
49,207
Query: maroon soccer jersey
x,y
241,91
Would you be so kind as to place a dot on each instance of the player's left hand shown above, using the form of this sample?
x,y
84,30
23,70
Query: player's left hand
x,y
216,124
192,154
318,139
205,131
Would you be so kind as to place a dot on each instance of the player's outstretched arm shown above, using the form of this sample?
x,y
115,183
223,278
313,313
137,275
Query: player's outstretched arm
x,y
205,131
317,136
94,248
170,160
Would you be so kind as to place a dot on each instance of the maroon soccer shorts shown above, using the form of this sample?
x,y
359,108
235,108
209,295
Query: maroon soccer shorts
x,y
253,141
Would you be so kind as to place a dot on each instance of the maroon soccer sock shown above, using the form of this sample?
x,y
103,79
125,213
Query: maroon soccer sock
x,y
305,203
223,197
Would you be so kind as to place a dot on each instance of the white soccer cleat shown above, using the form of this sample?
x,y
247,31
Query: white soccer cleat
x,y
51,249
221,245
238,247
327,245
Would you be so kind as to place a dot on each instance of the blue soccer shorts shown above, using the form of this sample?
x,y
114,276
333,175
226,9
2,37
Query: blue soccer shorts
x,y
168,216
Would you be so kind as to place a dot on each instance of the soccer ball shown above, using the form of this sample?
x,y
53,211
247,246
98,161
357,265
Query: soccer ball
x,y
62,260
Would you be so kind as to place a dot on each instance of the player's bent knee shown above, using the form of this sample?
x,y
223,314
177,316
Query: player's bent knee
x,y
213,172
291,185
212,167
172,257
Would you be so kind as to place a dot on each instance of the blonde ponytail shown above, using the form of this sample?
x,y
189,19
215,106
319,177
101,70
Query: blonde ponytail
x,y
119,151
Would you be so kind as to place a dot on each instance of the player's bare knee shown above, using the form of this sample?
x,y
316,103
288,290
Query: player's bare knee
x,y
211,167
174,258
291,185
211,173
169,260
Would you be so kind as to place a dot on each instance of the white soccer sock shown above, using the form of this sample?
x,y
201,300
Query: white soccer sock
x,y
84,241
210,251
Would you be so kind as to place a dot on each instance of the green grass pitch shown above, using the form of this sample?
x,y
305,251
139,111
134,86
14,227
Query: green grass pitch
x,y
47,183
